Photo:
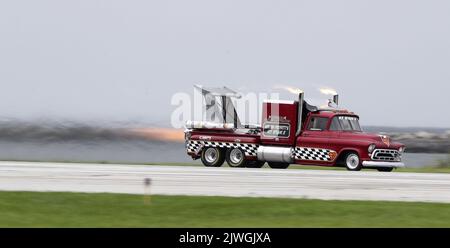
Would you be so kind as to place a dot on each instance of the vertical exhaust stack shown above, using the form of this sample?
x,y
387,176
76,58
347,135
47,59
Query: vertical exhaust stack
x,y
336,99
334,103
301,98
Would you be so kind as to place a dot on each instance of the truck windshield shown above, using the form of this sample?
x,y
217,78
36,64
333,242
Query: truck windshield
x,y
345,123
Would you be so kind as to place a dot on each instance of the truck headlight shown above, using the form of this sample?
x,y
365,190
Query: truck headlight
x,y
401,150
371,148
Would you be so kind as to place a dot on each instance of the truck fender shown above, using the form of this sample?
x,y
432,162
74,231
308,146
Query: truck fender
x,y
343,152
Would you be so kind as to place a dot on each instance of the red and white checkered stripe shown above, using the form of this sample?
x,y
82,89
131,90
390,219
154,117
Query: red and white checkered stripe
x,y
193,146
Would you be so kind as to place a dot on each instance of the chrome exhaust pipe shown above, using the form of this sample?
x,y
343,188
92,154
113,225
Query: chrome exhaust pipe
x,y
336,99
301,98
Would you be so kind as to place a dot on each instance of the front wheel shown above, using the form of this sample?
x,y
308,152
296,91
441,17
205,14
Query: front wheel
x,y
352,162
278,165
212,157
385,169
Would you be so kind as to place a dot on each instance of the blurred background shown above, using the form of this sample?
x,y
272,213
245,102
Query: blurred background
x,y
93,80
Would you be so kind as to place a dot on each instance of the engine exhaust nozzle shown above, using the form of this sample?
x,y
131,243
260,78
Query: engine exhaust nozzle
x,y
336,99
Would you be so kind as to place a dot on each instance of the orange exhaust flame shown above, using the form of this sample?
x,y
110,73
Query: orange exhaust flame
x,y
328,91
292,90
160,134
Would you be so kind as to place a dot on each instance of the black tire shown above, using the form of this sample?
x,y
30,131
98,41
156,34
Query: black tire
x,y
212,157
254,164
278,165
235,157
353,162
385,169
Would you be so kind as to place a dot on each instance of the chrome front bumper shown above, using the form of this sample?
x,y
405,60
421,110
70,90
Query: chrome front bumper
x,y
383,164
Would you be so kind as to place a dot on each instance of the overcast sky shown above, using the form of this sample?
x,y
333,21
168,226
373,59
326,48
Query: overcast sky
x,y
123,60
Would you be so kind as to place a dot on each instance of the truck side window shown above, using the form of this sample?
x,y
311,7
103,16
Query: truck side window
x,y
335,125
317,124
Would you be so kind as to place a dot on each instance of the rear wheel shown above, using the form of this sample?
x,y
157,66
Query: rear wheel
x,y
385,169
254,164
212,157
352,162
278,165
235,157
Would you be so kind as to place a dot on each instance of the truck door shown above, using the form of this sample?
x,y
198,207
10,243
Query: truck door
x,y
315,134
313,145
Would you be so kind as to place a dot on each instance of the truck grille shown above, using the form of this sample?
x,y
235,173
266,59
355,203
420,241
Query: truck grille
x,y
386,155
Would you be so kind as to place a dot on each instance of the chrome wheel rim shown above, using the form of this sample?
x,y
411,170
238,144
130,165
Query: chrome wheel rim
x,y
236,156
353,161
211,155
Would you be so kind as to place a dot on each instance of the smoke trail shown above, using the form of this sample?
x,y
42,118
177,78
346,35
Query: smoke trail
x,y
44,132
161,134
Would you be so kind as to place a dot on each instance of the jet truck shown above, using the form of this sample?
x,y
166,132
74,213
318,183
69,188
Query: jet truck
x,y
290,132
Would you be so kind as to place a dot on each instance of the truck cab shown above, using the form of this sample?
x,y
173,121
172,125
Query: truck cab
x,y
338,134
291,132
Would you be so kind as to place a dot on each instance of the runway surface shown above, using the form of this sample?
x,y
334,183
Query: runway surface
x,y
186,180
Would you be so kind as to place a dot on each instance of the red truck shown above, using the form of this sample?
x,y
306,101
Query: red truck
x,y
291,132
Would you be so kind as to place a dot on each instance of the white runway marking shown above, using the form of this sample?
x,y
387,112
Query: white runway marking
x,y
186,180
